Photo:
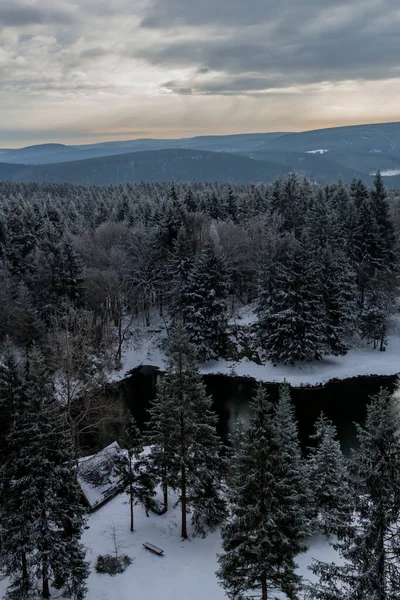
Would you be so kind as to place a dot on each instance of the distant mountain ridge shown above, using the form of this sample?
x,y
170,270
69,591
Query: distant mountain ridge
x,y
57,153
323,155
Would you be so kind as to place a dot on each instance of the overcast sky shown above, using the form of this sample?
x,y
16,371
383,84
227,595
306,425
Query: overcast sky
x,y
77,71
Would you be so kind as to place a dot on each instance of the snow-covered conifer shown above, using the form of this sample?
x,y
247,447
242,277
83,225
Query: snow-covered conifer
x,y
293,467
134,470
328,477
204,306
290,306
186,447
262,537
42,514
368,541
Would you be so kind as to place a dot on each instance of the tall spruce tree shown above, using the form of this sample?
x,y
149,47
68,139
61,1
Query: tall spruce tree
x,y
290,306
386,237
133,468
366,254
336,278
266,529
293,467
204,306
368,541
42,515
11,381
187,449
179,268
328,476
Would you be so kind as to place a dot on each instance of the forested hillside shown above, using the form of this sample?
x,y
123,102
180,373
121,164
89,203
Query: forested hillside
x,y
79,266
322,155
317,262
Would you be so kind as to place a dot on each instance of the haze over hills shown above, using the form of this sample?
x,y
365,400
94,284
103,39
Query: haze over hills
x,y
322,155
58,153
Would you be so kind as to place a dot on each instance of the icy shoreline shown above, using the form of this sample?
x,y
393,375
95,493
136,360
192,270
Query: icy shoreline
x,y
358,362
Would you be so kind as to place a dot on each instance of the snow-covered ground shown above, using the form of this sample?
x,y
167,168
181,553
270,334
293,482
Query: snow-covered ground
x,y
144,348
388,172
357,362
185,572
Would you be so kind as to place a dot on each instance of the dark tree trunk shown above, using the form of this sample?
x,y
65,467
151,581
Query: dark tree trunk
x,y
264,588
381,564
24,566
45,584
165,493
131,493
183,503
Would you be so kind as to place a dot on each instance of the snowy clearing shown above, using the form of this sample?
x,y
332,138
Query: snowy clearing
x,y
144,349
185,572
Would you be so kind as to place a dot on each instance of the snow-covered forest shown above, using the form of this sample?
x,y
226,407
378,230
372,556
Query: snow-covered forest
x,y
80,265
267,502
317,262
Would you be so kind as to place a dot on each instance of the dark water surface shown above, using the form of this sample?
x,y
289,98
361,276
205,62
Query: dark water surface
x,y
342,401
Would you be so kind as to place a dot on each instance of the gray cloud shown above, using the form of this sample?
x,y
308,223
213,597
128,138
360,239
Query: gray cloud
x,y
101,67
93,52
16,14
167,13
280,44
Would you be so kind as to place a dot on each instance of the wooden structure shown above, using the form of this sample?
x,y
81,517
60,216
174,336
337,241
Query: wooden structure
x,y
98,478
153,548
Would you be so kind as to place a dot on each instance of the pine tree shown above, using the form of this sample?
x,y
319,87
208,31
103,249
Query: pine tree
x,y
336,278
179,268
328,477
366,255
161,425
187,449
231,205
30,328
204,306
42,515
369,539
11,381
293,468
290,307
72,274
339,297
263,535
190,201
386,237
359,192
133,469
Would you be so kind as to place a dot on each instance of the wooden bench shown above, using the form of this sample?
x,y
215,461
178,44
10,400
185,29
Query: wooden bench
x,y
153,548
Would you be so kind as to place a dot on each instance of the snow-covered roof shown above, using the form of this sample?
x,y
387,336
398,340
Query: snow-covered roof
x,y
97,477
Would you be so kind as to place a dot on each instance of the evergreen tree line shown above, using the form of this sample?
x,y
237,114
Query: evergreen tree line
x,y
318,261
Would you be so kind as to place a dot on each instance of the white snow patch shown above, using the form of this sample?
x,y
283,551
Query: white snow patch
x,y
187,569
388,172
244,316
357,362
319,151
145,349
